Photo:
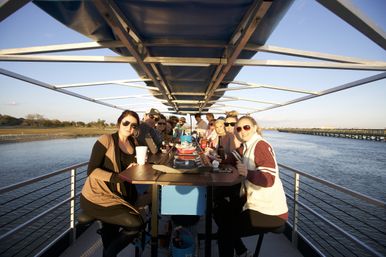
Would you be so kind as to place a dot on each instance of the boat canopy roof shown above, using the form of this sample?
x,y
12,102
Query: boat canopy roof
x,y
182,47
188,52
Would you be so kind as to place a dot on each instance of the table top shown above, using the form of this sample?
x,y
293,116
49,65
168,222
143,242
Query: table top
x,y
145,174
140,174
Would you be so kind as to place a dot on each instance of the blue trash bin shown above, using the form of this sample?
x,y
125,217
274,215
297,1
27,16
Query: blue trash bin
x,y
182,243
183,200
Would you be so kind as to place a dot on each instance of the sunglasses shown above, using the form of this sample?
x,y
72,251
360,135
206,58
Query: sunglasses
x,y
127,123
227,124
245,127
161,123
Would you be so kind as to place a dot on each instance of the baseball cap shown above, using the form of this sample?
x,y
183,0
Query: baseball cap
x,y
153,111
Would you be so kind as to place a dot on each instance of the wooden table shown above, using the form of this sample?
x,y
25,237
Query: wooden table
x,y
145,174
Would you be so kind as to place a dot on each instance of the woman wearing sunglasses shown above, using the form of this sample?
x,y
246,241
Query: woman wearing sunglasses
x,y
262,201
104,195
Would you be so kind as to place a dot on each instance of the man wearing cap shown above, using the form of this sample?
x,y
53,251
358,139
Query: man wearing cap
x,y
148,135
151,117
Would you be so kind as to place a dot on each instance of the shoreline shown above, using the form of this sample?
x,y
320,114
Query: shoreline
x,y
30,138
18,135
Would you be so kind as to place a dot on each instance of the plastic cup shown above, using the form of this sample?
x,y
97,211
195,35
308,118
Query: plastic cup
x,y
141,152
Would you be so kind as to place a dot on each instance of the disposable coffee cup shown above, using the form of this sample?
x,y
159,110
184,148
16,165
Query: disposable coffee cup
x,y
141,152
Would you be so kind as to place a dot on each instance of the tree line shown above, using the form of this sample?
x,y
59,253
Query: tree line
x,y
38,120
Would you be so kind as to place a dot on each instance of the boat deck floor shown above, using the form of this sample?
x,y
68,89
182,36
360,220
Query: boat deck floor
x,y
89,244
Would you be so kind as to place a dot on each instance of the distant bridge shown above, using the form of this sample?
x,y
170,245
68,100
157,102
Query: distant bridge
x,y
364,134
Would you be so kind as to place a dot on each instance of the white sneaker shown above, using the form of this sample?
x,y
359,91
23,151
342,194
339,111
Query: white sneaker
x,y
245,254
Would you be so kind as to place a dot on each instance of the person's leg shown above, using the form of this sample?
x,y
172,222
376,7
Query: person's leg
x,y
108,233
239,246
225,241
131,224
226,200
234,195
120,242
225,212
250,219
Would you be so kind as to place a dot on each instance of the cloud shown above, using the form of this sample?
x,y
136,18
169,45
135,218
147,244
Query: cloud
x,y
12,103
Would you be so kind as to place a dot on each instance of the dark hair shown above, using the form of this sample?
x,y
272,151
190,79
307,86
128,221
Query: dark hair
x,y
162,117
210,115
127,113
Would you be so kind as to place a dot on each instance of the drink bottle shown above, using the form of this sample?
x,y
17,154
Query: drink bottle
x,y
220,149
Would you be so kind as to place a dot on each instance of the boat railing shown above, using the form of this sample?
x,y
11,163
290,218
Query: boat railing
x,y
325,218
39,212
331,219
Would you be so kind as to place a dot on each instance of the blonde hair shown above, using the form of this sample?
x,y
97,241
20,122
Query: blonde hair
x,y
219,121
232,114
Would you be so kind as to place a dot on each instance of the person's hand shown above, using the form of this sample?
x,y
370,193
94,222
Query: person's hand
x,y
142,204
208,151
219,159
242,169
132,165
144,212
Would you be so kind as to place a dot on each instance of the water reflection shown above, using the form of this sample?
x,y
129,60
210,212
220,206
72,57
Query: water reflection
x,y
25,160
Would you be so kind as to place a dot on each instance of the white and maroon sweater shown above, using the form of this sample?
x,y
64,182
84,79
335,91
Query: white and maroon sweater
x,y
263,186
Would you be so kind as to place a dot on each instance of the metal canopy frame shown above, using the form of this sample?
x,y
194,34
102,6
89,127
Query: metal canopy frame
x,y
236,52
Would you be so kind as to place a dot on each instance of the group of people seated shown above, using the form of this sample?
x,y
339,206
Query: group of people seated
x,y
258,201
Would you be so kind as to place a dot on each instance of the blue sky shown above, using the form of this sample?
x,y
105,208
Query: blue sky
x,y
307,26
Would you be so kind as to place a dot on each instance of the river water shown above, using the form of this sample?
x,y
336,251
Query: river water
x,y
359,165
25,160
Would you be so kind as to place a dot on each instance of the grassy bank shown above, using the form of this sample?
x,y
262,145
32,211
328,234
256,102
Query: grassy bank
x,y
8,135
